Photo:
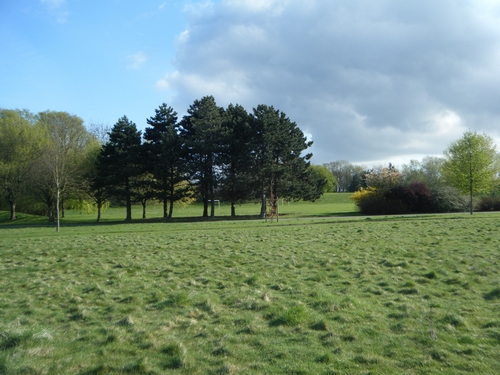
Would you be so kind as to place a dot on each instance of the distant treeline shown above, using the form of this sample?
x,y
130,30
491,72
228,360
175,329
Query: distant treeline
x,y
50,160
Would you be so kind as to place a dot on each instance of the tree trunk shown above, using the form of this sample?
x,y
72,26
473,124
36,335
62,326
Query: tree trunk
x,y
165,203
171,209
128,201
98,212
57,209
144,209
212,203
233,210
205,207
263,206
62,207
12,210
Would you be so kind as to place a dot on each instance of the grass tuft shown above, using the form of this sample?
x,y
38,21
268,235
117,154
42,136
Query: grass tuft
x,y
12,339
492,295
293,316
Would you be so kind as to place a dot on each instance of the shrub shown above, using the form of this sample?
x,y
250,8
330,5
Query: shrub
x,y
362,194
489,204
380,205
448,199
416,197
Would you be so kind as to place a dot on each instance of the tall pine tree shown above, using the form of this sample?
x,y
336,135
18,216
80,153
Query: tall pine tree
x,y
202,133
238,157
164,155
281,168
120,162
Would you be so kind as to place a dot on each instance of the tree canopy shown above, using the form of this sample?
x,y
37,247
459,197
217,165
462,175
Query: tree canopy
x,y
470,164
218,153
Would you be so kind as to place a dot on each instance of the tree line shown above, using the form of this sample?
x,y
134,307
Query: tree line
x,y
466,177
212,153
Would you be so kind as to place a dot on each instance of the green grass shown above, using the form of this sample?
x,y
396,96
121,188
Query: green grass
x,y
330,204
347,295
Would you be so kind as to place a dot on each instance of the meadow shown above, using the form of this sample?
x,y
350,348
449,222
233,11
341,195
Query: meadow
x,y
311,294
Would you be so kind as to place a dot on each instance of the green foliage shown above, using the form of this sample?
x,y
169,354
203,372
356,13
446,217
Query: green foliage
x,y
202,133
22,141
413,198
448,199
85,207
325,174
490,203
470,164
349,177
295,315
238,177
282,167
164,158
119,162
427,171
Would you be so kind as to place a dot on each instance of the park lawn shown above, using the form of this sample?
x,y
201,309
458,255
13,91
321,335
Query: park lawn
x,y
330,204
384,295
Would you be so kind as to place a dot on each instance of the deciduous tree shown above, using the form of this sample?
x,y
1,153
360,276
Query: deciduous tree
x,y
470,164
21,143
62,159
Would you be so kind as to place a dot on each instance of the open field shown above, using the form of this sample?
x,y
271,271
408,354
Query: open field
x,y
329,204
386,295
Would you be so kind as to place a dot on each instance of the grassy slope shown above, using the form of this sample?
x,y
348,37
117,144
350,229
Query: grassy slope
x,y
414,295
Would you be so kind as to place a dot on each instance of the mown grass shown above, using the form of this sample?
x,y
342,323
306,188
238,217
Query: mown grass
x,y
388,295
330,204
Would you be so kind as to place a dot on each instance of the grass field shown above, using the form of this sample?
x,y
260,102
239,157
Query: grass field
x,y
339,295
332,204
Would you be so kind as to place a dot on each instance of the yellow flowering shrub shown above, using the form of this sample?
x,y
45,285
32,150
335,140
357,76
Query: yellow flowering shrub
x,y
362,194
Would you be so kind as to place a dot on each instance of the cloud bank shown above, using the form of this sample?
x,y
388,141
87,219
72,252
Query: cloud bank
x,y
369,81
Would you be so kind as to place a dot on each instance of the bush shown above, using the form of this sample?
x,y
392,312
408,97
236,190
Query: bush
x,y
489,204
448,199
362,194
380,205
414,198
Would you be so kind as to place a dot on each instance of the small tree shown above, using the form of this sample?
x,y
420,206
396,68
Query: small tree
x,y
324,173
470,164
62,159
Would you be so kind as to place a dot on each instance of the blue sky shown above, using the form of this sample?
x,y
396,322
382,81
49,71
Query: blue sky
x,y
99,60
368,81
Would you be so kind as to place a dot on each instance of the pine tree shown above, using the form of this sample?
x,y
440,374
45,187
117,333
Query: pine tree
x,y
164,154
120,162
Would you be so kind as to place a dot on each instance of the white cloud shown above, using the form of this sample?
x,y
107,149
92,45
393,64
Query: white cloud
x,y
368,80
137,60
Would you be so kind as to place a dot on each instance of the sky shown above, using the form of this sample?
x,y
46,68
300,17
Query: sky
x,y
367,81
